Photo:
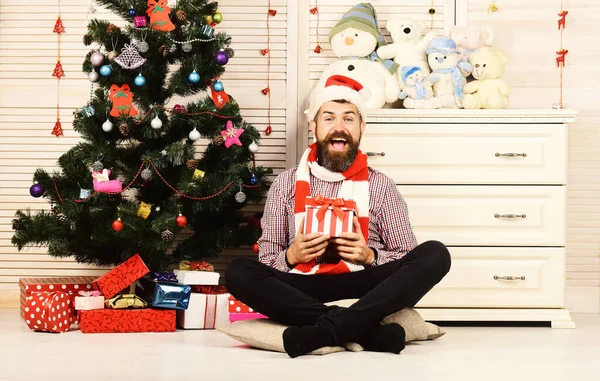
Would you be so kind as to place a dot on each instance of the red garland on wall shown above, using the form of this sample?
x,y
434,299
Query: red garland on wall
x,y
267,52
561,54
315,11
58,73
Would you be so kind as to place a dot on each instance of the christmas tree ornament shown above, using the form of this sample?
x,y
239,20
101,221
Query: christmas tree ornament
x,y
207,30
191,164
179,109
219,140
264,52
112,28
112,55
144,210
198,174
17,224
105,70
217,17
103,183
97,58
163,152
58,26
187,47
97,166
57,130
253,147
181,221
181,15
255,248
156,123
232,135
222,57
208,20
131,12
130,58
58,71
194,135
240,197
36,190
230,52
194,77
139,21
220,98
117,225
88,111
164,50
122,101
62,218
166,235
87,39
158,11
272,12
107,126
140,80
93,76
124,128
318,49
266,91
143,47
253,180
146,174
218,86
268,130
157,209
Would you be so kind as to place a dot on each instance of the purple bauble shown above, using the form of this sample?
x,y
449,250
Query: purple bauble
x,y
36,190
222,57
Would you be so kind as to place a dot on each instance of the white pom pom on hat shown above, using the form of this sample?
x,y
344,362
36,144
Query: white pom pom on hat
x,y
339,87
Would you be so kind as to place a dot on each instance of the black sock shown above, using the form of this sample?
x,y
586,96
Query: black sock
x,y
384,338
299,341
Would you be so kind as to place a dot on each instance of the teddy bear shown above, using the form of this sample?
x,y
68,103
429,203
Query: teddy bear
x,y
416,89
354,40
471,38
448,71
488,90
408,48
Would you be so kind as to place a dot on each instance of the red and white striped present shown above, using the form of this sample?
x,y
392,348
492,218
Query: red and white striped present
x,y
331,216
49,311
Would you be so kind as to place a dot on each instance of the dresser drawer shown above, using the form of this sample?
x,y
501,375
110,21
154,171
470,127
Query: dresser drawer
x,y
481,215
478,278
469,154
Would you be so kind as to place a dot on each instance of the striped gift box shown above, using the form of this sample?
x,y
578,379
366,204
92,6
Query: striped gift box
x,y
329,221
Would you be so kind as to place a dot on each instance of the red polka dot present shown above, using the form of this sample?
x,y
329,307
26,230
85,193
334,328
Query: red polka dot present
x,y
70,285
49,311
240,311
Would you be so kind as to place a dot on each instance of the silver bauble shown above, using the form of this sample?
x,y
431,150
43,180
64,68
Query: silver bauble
x,y
240,197
107,126
156,123
146,174
194,135
97,166
97,58
187,47
94,76
253,147
143,47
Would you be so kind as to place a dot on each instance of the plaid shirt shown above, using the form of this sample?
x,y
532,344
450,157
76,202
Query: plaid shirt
x,y
390,233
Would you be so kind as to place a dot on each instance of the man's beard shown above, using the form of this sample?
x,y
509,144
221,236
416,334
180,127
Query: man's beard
x,y
337,161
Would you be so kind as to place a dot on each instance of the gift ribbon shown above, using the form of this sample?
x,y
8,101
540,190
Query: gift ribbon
x,y
164,277
197,266
210,290
334,203
90,293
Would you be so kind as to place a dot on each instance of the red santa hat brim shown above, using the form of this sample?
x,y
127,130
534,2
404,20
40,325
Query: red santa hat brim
x,y
338,87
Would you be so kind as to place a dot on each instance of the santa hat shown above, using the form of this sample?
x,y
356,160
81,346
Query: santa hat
x,y
339,87
363,17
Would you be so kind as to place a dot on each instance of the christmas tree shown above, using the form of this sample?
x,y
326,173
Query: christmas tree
x,y
135,185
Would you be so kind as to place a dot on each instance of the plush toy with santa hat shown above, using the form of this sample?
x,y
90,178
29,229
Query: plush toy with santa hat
x,y
355,39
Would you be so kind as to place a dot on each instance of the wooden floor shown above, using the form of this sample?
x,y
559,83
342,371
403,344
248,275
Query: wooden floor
x,y
465,353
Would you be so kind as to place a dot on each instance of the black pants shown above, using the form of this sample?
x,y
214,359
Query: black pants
x,y
295,299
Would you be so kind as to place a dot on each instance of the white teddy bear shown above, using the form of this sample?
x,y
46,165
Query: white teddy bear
x,y
449,72
488,90
408,48
354,40
416,89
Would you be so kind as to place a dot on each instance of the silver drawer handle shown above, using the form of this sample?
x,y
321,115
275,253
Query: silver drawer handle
x,y
510,215
376,154
510,154
496,277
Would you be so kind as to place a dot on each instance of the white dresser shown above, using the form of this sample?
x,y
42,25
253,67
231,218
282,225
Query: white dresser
x,y
491,185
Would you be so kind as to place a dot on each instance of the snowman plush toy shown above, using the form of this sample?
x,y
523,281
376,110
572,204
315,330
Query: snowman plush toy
x,y
354,40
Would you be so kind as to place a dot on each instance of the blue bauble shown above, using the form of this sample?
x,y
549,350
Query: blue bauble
x,y
218,86
253,180
105,70
140,80
194,77
131,12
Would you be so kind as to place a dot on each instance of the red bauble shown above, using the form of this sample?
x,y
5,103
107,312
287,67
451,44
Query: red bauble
x,y
181,221
117,225
255,247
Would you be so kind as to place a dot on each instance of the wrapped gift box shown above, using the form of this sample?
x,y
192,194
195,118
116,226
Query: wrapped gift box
x,y
89,300
164,294
330,216
49,311
206,311
121,321
245,316
192,277
70,285
121,276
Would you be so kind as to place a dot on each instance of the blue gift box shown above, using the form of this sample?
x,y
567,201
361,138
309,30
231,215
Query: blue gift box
x,y
164,294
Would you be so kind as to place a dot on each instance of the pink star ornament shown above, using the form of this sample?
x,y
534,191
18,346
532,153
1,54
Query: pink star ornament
x,y
232,135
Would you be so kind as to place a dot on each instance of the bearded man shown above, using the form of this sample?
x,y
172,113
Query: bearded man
x,y
379,263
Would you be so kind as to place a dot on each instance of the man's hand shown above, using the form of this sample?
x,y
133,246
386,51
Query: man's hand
x,y
305,248
353,247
